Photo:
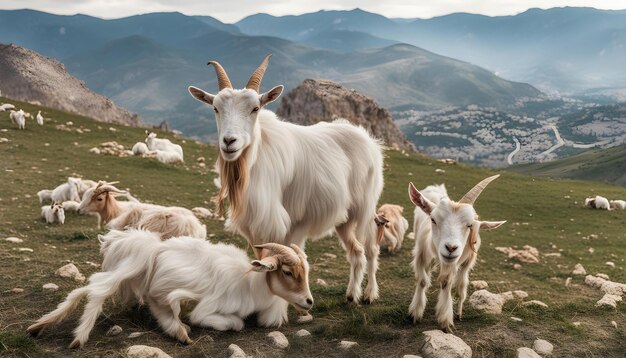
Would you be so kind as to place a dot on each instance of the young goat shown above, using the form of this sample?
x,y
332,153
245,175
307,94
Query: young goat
x,y
167,221
395,226
52,213
18,118
287,183
221,278
44,195
449,234
67,191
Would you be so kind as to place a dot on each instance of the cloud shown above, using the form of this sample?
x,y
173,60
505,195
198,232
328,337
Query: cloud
x,y
234,10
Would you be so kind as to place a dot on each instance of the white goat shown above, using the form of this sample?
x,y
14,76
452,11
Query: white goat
x,y
618,204
140,148
70,205
39,118
448,234
167,221
44,195
166,274
165,145
18,118
598,202
168,157
52,213
286,183
6,106
66,191
395,226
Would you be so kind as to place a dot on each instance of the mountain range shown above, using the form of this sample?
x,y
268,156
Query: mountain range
x,y
145,62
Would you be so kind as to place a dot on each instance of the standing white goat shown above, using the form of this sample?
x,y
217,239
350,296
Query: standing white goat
x,y
52,213
166,274
66,191
165,145
18,118
286,183
39,118
449,234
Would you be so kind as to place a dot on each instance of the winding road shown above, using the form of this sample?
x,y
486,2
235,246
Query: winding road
x,y
518,146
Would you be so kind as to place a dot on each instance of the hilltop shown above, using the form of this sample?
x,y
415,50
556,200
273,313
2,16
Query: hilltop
x,y
543,213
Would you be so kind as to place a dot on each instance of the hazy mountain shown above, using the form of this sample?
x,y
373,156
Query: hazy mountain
x,y
567,49
146,62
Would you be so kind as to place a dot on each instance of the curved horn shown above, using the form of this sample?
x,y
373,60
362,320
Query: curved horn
x,y
222,77
285,253
110,188
473,194
255,80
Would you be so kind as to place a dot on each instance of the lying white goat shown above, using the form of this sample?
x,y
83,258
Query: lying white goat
x,y
598,202
166,274
448,233
618,204
165,145
52,213
6,106
18,118
140,148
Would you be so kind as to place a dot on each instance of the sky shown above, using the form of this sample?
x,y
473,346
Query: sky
x,y
233,10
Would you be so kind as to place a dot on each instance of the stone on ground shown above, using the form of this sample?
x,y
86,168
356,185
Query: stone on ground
x,y
50,287
14,240
609,300
485,301
303,333
579,270
345,345
479,284
114,330
534,303
527,353
444,345
70,271
141,351
278,339
236,351
543,347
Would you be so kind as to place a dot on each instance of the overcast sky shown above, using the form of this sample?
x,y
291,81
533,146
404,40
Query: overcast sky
x,y
234,10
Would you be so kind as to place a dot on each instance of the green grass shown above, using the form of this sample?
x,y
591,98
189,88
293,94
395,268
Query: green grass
x,y
381,329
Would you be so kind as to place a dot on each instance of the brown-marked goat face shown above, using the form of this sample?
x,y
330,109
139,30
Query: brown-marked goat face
x,y
287,273
99,200
453,223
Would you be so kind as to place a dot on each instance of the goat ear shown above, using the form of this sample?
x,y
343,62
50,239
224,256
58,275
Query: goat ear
x,y
271,95
489,225
264,265
201,95
420,200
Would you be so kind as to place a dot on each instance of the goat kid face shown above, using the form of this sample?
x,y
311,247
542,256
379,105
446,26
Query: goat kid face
x,y
451,225
288,278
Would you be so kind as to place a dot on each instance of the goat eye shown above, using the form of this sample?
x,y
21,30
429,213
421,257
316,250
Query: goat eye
x,y
433,221
99,199
288,273
215,109
255,109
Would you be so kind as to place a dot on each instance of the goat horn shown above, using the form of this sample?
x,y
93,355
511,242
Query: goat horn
x,y
255,80
222,77
473,194
286,254
110,188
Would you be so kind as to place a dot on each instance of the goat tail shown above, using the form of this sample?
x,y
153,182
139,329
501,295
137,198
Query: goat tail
x,y
63,310
177,296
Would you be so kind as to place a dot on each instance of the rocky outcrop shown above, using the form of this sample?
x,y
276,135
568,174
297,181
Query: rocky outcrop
x,y
322,100
30,77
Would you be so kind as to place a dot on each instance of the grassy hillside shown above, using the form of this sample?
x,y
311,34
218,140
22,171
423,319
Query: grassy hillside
x,y
604,165
543,213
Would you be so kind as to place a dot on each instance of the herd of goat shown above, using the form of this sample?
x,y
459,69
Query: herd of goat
x,y
283,184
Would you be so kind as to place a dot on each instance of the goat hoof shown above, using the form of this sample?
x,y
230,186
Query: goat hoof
x,y
75,344
350,299
187,328
458,317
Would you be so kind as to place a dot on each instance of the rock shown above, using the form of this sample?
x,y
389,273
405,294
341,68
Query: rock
x,y
278,339
202,213
603,275
136,334
543,347
323,101
579,270
594,281
444,345
487,302
534,303
520,294
345,345
17,290
304,318
609,300
614,324
70,271
50,287
552,254
329,255
568,281
516,319
236,351
528,254
114,330
200,160
303,333
29,76
25,249
14,240
517,266
321,282
614,288
576,324
141,351
508,295
410,236
527,353
410,356
479,285
610,264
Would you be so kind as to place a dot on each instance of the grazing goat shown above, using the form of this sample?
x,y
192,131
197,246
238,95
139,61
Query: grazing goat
x,y
598,202
448,233
167,221
140,148
52,213
286,183
6,106
618,204
395,226
66,191
166,274
44,195
39,118
165,145
18,118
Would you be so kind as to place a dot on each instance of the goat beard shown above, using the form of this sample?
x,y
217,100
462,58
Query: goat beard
x,y
234,179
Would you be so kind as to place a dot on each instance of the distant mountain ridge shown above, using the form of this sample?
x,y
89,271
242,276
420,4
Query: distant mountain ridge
x,y
28,76
146,62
